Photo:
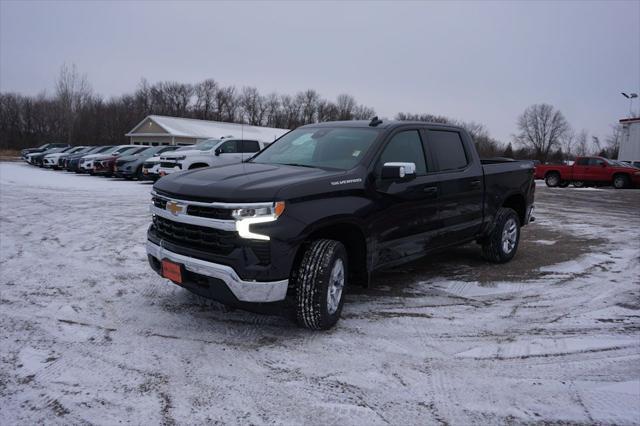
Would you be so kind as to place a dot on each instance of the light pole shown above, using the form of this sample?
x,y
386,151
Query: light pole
x,y
631,97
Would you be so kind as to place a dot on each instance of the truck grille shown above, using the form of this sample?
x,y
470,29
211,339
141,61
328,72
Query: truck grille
x,y
169,165
200,211
208,239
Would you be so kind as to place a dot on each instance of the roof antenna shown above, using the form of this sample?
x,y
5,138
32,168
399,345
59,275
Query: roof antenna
x,y
375,121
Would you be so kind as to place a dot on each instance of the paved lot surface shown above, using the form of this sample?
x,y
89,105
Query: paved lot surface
x,y
90,335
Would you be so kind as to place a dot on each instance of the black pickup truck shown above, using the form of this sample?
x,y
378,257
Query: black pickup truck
x,y
325,206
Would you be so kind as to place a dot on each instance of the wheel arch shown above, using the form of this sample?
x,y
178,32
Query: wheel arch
x,y
518,203
351,234
197,166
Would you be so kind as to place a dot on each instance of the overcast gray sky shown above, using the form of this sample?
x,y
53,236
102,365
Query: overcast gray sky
x,y
477,61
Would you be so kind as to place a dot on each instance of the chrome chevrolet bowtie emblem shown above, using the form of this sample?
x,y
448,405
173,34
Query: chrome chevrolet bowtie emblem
x,y
174,207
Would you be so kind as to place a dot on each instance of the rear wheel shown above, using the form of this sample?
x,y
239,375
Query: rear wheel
x,y
620,181
319,282
502,243
563,184
578,184
552,179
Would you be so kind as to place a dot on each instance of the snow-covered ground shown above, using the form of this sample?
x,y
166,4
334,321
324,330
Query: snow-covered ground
x,y
89,334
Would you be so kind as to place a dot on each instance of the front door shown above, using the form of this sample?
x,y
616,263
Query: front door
x,y
229,152
406,209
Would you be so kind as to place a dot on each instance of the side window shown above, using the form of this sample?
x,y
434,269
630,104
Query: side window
x,y
229,147
596,162
448,149
583,162
405,147
250,146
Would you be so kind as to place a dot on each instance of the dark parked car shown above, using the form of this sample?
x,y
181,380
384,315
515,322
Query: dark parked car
x,y
328,204
41,148
71,162
130,166
104,166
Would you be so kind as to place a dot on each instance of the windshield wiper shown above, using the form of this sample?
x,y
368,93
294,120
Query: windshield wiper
x,y
299,165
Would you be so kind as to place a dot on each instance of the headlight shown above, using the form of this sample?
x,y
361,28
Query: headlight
x,y
181,157
258,213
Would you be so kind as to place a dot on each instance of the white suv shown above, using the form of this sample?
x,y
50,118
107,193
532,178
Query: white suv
x,y
212,152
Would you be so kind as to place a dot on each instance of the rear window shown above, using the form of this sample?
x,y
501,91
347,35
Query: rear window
x,y
250,146
582,162
448,149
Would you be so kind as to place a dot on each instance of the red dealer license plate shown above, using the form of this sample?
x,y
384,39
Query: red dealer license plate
x,y
171,270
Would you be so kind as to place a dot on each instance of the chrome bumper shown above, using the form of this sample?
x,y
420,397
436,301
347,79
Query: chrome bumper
x,y
244,291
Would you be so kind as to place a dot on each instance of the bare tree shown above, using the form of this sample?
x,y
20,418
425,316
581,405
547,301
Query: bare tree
x,y
567,143
541,127
346,104
73,91
582,143
205,93
614,139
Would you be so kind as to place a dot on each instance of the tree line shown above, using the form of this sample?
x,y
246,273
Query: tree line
x,y
77,115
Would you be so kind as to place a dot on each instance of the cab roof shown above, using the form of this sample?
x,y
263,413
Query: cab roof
x,y
383,124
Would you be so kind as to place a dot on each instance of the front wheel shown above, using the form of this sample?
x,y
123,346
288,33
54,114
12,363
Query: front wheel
x,y
502,243
319,282
620,182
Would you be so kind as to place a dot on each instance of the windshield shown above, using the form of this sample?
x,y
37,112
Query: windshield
x,y
206,145
131,150
323,147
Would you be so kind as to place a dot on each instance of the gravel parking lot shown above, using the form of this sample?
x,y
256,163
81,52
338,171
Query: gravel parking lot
x,y
91,335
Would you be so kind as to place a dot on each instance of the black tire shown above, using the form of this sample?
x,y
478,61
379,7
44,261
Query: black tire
x,y
312,283
552,179
620,181
563,184
139,173
494,248
578,184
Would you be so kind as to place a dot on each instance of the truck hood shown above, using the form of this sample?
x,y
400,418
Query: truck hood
x,y
187,153
244,182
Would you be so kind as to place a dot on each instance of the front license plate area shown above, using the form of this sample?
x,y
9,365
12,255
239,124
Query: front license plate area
x,y
172,271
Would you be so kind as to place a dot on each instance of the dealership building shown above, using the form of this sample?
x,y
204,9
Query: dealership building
x,y
630,143
157,130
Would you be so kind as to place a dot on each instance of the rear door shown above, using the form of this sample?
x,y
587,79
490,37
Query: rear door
x,y
598,170
407,212
249,148
460,185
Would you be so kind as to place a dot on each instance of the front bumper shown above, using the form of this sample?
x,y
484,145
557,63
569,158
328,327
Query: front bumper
x,y
241,290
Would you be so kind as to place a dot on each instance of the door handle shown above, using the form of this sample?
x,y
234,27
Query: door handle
x,y
430,189
475,184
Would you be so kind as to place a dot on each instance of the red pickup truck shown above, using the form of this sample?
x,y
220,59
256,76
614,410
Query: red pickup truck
x,y
589,170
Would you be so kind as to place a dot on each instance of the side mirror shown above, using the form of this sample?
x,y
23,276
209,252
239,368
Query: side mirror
x,y
217,151
398,170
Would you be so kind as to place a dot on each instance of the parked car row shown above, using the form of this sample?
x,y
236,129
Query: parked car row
x,y
593,171
141,162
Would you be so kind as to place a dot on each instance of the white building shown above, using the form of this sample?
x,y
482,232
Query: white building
x,y
630,143
161,130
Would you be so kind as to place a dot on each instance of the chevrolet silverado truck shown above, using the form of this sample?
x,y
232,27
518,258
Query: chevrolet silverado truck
x,y
327,205
212,152
588,171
